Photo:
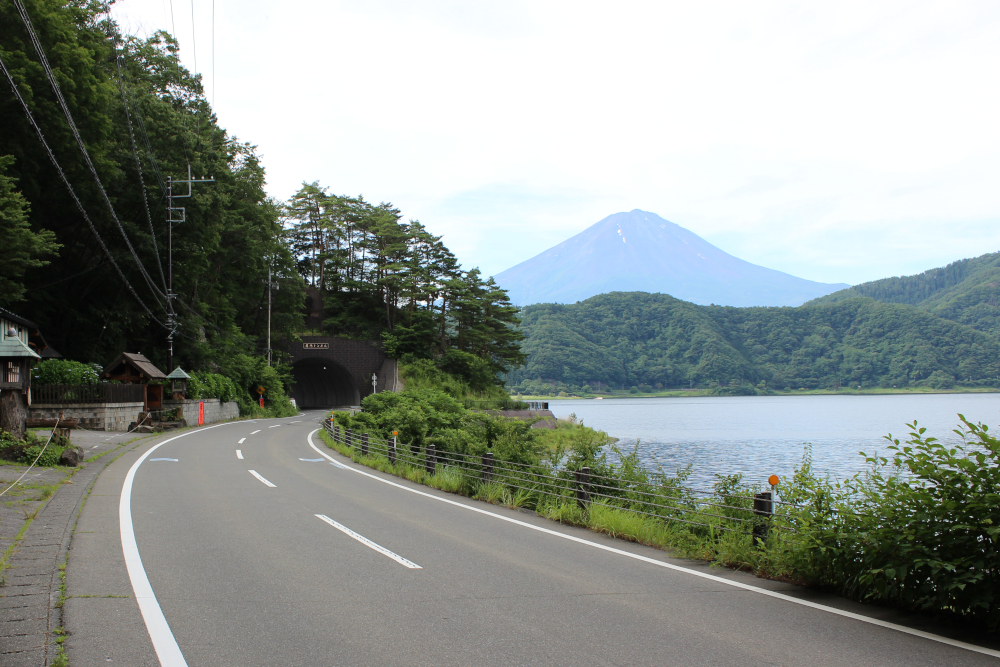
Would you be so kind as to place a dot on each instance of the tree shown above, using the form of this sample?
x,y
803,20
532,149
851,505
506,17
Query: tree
x,y
23,248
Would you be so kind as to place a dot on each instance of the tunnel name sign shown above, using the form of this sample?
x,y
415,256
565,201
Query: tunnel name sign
x,y
315,346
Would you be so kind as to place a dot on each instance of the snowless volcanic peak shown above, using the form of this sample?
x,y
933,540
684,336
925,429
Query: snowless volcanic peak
x,y
639,251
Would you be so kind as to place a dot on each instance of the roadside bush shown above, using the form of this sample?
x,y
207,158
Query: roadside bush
x,y
50,457
919,530
63,371
248,372
212,385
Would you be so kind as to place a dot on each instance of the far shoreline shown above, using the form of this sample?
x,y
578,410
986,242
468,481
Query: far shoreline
x,y
708,393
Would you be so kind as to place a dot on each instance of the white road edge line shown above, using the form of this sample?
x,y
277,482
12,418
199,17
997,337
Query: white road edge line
x,y
164,643
258,476
670,566
255,432
242,440
239,454
368,543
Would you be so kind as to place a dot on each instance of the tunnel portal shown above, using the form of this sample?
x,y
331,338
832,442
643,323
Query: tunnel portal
x,y
322,383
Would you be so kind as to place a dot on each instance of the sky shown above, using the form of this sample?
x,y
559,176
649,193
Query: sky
x,y
839,142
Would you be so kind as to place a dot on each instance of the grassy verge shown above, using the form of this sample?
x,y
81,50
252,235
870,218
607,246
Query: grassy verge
x,y
721,546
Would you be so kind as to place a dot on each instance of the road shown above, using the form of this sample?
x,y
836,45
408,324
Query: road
x,y
261,551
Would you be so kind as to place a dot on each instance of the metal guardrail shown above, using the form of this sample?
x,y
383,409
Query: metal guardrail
x,y
497,404
70,394
662,499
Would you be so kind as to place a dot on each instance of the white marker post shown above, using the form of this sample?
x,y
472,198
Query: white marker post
x,y
374,381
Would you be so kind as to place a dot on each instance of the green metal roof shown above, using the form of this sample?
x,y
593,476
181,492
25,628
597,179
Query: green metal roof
x,y
15,347
178,374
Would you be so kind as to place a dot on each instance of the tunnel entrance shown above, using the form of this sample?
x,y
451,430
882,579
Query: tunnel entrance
x,y
322,383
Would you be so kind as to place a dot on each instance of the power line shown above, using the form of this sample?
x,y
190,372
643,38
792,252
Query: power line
x,y
83,149
135,152
69,187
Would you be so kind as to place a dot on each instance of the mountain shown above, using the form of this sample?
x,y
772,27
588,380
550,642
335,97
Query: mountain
x,y
654,340
966,291
639,251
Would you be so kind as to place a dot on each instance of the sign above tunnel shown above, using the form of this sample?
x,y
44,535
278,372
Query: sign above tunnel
x,y
315,346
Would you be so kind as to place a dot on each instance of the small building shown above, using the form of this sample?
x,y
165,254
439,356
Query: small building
x,y
131,368
21,345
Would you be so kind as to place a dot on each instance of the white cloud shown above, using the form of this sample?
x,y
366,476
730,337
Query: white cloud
x,y
838,142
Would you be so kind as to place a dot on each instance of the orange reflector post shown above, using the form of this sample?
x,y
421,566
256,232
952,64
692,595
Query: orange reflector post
x,y
773,480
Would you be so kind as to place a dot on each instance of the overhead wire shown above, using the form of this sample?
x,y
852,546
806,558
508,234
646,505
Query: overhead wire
x,y
69,187
157,294
119,59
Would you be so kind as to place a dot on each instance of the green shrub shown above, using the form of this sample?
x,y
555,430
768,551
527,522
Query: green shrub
x,y
919,530
212,385
63,371
50,457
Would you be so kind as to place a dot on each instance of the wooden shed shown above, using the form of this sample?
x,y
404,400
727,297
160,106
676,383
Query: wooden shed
x,y
21,345
133,368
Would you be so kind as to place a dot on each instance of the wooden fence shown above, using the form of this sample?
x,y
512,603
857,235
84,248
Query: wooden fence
x,y
70,394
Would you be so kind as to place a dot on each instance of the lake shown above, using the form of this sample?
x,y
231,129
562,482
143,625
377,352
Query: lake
x,y
761,435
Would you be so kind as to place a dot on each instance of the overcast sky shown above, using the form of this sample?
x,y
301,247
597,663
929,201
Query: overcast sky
x,y
837,141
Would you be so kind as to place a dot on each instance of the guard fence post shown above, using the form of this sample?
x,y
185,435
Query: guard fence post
x,y
487,466
763,507
336,434
431,461
348,437
364,444
583,487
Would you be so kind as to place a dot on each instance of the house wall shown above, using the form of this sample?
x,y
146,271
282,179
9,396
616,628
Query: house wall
x,y
93,416
215,410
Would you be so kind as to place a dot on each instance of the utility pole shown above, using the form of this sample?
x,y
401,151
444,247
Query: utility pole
x,y
172,322
268,313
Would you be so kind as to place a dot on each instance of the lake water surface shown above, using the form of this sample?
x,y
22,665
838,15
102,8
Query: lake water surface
x,y
761,435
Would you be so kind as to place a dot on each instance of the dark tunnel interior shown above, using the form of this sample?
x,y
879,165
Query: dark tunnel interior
x,y
321,383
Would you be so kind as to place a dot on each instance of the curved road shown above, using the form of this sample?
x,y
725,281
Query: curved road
x,y
304,561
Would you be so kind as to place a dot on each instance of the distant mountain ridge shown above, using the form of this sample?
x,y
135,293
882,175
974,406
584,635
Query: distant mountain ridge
x,y
639,251
966,291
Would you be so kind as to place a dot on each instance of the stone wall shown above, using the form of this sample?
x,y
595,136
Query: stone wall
x,y
93,416
215,410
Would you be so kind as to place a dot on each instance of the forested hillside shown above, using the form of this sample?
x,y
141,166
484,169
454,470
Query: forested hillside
x,y
381,277
967,291
95,123
653,341
96,281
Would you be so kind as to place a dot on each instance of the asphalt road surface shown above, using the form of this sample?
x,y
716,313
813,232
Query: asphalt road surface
x,y
260,550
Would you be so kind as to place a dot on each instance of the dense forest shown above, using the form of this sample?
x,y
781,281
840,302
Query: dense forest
x,y
96,123
381,278
967,291
652,341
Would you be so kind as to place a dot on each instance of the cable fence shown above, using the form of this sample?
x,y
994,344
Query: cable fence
x,y
645,494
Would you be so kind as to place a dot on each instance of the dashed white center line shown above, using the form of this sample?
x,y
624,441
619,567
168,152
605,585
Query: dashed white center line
x,y
239,454
295,422
368,543
242,440
254,432
258,476
275,426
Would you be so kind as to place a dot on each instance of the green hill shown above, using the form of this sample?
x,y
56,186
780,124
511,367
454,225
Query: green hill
x,y
626,339
967,291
